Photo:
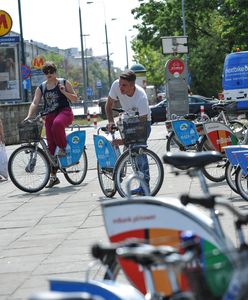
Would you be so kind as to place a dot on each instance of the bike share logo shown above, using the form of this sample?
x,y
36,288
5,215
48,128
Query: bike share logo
x,y
183,127
75,140
100,143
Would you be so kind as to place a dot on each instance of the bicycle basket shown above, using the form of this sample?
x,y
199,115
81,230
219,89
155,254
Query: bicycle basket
x,y
30,132
133,131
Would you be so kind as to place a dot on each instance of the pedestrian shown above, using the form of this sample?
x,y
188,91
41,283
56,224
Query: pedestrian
x,y
57,99
133,100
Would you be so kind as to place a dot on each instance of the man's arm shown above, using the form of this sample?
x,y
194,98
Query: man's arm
x,y
108,109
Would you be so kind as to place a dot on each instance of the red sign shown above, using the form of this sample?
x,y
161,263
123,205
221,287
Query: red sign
x,y
176,66
26,72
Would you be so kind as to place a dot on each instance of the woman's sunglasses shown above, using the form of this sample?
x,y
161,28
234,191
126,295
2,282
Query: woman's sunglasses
x,y
46,72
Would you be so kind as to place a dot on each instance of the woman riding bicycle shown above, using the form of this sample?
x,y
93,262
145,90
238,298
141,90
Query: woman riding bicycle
x,y
57,97
133,100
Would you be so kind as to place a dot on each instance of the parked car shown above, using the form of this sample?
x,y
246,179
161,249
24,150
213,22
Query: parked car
x,y
158,111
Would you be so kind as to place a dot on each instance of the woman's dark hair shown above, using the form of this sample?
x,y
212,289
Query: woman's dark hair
x,y
49,67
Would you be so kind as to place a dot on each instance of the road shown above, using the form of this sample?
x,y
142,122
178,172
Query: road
x,y
49,234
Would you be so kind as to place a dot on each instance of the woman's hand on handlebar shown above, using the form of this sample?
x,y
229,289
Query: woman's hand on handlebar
x,y
110,126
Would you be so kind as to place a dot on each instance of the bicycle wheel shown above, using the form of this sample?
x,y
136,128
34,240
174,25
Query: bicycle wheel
x,y
105,178
215,171
241,184
75,174
240,131
29,169
127,165
230,172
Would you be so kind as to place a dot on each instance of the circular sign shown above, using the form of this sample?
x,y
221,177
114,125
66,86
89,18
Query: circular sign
x,y
26,71
176,67
38,62
5,23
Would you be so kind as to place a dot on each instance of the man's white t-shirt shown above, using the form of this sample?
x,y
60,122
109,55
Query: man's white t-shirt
x,y
137,103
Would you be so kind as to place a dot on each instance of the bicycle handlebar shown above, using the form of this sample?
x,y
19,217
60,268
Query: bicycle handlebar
x,y
143,254
213,200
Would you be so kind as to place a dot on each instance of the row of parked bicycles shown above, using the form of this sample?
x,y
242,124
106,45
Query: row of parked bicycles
x,y
29,165
166,248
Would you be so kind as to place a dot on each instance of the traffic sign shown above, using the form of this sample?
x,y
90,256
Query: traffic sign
x,y
5,23
26,72
98,84
89,91
176,66
26,84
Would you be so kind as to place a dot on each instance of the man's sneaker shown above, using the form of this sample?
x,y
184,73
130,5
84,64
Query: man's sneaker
x,y
61,153
53,181
138,191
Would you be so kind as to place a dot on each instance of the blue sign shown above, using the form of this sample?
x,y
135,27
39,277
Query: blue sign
x,y
89,91
35,72
26,71
98,84
10,39
26,84
185,131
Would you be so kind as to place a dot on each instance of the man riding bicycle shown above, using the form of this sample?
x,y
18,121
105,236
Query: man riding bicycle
x,y
134,101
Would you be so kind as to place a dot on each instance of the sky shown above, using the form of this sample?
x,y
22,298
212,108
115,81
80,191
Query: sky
x,y
56,23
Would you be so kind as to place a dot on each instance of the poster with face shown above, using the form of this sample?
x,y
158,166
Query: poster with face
x,y
9,73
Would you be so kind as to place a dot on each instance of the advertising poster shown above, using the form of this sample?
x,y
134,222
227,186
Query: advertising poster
x,y
9,73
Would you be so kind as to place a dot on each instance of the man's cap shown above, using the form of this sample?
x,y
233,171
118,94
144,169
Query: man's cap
x,y
128,75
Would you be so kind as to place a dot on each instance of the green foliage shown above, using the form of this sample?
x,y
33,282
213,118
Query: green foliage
x,y
214,29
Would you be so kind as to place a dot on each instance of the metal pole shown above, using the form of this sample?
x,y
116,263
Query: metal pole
x,y
108,60
126,52
184,33
83,62
23,58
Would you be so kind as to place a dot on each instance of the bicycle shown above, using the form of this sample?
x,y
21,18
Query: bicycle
x,y
137,158
29,165
147,256
238,128
107,153
189,136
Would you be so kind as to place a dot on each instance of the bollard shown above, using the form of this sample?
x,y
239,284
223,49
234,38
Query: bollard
x,y
202,111
88,117
95,120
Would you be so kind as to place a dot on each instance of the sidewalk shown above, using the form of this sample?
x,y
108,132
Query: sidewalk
x,y
48,234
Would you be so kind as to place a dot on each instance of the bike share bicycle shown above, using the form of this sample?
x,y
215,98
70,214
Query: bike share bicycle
x,y
115,168
161,221
30,164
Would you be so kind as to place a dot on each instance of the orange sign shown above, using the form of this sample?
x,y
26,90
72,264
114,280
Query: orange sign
x,y
5,23
38,62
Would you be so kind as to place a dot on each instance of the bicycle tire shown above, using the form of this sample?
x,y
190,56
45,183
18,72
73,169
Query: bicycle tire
x,y
25,176
240,130
230,172
105,178
241,184
123,169
75,174
215,171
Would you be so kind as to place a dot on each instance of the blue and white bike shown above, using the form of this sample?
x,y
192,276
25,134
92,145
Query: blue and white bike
x,y
30,164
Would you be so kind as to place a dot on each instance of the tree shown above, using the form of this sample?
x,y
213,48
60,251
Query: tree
x,y
214,28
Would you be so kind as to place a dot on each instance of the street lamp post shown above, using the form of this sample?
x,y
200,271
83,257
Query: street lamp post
x,y
126,52
107,43
23,57
86,60
83,62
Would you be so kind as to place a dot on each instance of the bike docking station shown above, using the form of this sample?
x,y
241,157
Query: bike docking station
x,y
176,75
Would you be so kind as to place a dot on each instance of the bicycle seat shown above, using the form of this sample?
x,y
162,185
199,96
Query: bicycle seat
x,y
190,117
187,160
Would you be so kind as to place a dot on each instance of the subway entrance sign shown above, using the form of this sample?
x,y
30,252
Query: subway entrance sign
x,y
5,23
